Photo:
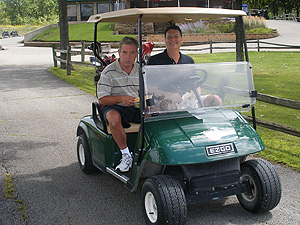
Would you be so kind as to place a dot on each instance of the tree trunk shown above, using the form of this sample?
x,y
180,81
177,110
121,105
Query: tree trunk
x,y
64,30
239,33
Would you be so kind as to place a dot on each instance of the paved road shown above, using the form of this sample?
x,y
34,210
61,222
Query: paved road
x,y
39,114
288,30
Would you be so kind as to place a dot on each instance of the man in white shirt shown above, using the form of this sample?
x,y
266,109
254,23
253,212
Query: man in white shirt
x,y
118,87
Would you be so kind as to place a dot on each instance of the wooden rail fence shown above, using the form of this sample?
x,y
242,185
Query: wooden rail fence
x,y
274,126
278,101
81,50
258,46
281,102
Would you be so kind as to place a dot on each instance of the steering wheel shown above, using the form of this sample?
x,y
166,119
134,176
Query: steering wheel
x,y
184,84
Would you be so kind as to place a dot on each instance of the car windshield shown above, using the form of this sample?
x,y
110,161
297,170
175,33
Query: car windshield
x,y
192,87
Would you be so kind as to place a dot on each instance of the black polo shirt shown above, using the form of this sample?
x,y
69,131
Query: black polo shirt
x,y
164,59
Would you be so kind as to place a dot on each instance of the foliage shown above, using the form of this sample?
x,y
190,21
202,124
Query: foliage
x,y
254,22
197,27
9,192
223,26
276,6
260,30
18,12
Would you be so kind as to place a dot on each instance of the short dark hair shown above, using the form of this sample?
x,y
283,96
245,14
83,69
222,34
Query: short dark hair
x,y
128,41
173,27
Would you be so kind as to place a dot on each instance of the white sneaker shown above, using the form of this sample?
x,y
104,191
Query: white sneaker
x,y
126,163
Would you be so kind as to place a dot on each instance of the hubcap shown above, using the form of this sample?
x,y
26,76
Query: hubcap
x,y
150,207
253,188
81,155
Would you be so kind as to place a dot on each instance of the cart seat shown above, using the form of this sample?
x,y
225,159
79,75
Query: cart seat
x,y
101,124
133,129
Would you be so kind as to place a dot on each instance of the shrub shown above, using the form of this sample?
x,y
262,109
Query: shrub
x,y
223,26
260,30
198,27
254,22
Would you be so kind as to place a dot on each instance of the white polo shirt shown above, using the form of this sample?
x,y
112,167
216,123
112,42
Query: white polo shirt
x,y
114,81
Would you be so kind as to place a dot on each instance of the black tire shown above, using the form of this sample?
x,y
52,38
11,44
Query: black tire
x,y
163,201
264,183
84,155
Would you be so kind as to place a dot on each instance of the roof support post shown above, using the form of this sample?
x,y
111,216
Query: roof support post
x,y
245,40
142,93
95,37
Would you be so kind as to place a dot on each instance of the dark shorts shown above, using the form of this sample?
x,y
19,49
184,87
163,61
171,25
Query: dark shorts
x,y
129,114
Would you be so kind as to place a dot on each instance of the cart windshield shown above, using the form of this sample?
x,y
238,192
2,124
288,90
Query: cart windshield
x,y
189,87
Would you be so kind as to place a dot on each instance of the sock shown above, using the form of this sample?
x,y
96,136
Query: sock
x,y
125,151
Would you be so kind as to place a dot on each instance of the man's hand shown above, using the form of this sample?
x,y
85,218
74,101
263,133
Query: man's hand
x,y
112,100
127,100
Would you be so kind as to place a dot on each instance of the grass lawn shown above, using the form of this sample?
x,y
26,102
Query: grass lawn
x,y
275,73
83,31
280,147
82,77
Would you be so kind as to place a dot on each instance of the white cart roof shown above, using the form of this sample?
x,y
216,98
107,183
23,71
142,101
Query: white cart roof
x,y
165,14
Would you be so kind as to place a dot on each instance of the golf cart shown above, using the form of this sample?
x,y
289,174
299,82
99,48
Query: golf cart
x,y
189,147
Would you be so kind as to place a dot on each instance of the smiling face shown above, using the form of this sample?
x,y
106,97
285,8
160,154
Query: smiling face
x,y
173,39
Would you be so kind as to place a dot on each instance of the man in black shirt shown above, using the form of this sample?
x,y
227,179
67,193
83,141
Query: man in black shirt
x,y
172,54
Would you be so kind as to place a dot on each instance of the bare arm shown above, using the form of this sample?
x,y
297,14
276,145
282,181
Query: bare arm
x,y
112,100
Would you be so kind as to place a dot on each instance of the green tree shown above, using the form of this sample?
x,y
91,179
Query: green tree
x,y
286,6
22,11
13,8
257,4
296,7
274,7
3,15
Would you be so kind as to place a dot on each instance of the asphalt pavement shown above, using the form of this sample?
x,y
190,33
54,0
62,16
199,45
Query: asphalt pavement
x,y
39,114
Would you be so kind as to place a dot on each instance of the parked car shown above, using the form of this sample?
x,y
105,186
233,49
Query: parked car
x,y
188,151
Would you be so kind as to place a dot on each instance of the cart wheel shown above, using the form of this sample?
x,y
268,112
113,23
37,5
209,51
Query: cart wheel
x,y
163,201
84,156
265,186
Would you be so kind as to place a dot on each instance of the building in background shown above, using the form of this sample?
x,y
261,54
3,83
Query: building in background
x,y
81,10
227,4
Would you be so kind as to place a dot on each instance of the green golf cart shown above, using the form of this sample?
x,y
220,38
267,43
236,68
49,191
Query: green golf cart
x,y
189,147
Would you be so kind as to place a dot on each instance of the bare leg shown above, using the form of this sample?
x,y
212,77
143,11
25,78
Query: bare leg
x,y
114,119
